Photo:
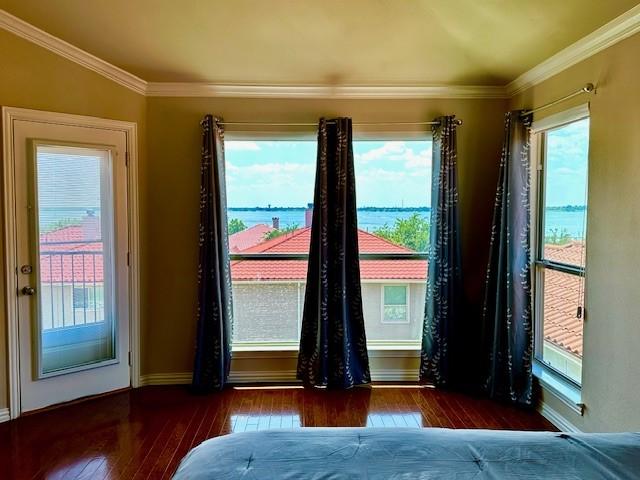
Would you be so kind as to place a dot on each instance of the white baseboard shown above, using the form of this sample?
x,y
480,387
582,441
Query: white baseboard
x,y
274,376
556,419
4,415
165,379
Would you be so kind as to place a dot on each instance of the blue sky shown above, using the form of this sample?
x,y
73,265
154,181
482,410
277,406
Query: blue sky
x,y
388,174
566,169
282,173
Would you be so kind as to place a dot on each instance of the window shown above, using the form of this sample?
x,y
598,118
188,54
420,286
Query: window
x,y
393,188
88,298
395,307
561,243
270,187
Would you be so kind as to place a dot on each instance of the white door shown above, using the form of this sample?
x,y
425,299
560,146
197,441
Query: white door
x,y
71,252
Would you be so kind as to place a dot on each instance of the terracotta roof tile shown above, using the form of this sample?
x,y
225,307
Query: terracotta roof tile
x,y
248,238
563,293
66,257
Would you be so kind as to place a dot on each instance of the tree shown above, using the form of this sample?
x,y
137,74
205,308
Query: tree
x,y
411,232
236,225
558,237
280,231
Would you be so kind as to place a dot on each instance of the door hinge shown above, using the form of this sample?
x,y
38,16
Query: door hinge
x,y
128,259
126,159
129,358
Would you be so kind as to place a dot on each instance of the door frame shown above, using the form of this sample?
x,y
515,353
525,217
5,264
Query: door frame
x,y
9,116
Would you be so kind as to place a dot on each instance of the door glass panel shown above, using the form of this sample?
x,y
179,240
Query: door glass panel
x,y
73,222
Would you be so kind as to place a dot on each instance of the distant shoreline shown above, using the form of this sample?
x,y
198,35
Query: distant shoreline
x,y
563,208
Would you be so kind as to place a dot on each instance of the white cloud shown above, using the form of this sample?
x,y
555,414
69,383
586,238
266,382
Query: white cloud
x,y
398,152
420,160
381,153
241,145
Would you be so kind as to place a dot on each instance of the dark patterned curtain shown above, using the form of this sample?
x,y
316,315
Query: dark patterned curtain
x,y
215,311
443,308
506,319
333,346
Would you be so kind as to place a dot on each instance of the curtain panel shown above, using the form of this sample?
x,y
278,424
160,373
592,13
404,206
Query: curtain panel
x,y
507,335
443,306
215,308
333,345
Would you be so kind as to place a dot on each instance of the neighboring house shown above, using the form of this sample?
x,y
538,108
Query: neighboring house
x,y
249,237
72,275
269,294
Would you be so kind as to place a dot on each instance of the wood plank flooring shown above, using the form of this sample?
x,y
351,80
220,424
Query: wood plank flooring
x,y
144,433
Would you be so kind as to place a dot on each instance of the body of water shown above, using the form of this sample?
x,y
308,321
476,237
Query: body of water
x,y
560,220
53,217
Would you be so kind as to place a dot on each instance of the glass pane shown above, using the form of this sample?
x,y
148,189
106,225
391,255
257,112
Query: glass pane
x,y
395,295
563,323
393,182
269,194
73,189
565,192
270,188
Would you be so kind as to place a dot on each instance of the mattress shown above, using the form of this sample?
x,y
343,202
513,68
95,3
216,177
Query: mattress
x,y
402,454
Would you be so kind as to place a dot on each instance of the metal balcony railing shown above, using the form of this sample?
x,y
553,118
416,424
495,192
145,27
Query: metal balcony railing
x,y
71,284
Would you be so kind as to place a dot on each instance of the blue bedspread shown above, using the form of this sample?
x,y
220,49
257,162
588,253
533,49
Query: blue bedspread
x,y
402,454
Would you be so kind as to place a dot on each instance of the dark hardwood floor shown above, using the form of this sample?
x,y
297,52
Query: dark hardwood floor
x,y
144,433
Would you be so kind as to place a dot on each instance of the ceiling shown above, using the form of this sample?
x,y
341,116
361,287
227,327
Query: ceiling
x,y
321,42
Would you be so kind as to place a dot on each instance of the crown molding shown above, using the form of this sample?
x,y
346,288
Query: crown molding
x,y
167,89
609,34
56,45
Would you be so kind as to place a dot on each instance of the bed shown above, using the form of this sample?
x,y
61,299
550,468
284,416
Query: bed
x,y
402,454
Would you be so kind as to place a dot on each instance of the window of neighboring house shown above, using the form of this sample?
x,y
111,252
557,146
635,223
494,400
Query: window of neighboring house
x,y
88,298
395,307
270,190
80,298
561,243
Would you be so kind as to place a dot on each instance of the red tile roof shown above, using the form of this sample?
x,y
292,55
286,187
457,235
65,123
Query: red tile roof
x,y
296,270
563,293
248,238
298,242
66,257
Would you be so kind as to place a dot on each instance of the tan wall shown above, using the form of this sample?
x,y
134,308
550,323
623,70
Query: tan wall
x,y
173,189
611,369
33,77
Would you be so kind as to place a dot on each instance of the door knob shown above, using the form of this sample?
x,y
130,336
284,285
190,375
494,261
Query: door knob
x,y
28,291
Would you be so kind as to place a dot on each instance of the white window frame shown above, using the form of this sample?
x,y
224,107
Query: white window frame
x,y
539,264
407,304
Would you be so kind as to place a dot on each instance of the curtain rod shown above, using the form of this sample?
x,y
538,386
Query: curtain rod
x,y
588,88
287,124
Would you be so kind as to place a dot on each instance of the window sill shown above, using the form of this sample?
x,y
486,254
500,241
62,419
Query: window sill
x,y
561,388
287,349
